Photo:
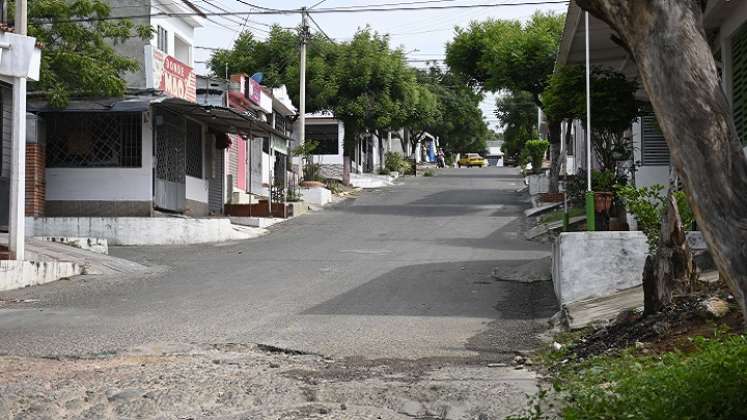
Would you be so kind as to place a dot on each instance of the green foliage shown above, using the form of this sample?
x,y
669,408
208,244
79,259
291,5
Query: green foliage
x,y
376,89
311,170
535,152
366,84
78,57
334,185
707,383
504,54
459,125
429,173
392,161
518,114
565,95
649,205
613,103
604,181
278,58
294,195
306,150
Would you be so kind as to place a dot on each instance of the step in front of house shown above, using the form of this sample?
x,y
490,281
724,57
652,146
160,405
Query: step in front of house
x,y
4,253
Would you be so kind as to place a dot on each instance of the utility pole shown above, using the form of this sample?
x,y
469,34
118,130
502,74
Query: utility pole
x,y
302,70
17,216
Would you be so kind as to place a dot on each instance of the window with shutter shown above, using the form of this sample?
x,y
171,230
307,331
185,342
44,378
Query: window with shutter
x,y
739,81
654,149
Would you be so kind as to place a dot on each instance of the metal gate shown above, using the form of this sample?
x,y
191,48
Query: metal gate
x,y
170,181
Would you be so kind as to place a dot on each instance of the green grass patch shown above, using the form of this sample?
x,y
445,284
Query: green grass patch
x,y
428,172
557,215
708,382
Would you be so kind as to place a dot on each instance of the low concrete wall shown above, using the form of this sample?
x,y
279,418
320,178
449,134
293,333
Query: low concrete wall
x,y
317,196
140,230
595,264
19,274
538,184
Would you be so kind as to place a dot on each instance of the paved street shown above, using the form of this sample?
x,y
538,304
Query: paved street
x,y
399,274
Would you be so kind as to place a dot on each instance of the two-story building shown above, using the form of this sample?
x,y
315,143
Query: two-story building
x,y
155,150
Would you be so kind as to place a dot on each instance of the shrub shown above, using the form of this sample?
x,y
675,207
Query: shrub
x,y
334,186
606,181
708,383
428,172
648,205
393,162
405,167
311,171
535,153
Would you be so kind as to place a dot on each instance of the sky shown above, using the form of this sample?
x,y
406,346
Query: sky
x,y
423,34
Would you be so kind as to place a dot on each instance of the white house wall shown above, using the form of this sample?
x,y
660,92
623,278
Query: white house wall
x,y
175,27
197,189
94,190
332,165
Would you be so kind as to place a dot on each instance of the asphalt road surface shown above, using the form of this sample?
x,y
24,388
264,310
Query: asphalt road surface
x,y
401,272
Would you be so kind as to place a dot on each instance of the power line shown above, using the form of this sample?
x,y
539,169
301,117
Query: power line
x,y
267,11
320,29
456,6
393,4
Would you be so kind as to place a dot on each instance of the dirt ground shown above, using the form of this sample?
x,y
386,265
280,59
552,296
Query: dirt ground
x,y
672,329
250,382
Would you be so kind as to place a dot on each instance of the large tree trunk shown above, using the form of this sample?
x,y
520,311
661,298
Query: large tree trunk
x,y
556,132
667,41
670,271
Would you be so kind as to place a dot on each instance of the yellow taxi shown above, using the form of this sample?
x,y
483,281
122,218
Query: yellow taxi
x,y
472,159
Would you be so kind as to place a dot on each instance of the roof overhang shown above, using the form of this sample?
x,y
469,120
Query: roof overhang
x,y
603,51
216,117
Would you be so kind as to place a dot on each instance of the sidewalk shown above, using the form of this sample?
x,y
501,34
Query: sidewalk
x,y
51,261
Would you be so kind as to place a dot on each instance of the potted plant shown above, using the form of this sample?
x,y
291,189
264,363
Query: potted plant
x,y
604,184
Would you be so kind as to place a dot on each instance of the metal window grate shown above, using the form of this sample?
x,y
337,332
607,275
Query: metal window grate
x,y
94,140
170,148
739,82
194,149
654,149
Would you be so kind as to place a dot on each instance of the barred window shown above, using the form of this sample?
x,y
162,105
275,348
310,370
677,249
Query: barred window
x,y
162,39
94,140
328,137
739,81
194,149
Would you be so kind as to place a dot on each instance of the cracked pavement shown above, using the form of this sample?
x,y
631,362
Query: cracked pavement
x,y
386,302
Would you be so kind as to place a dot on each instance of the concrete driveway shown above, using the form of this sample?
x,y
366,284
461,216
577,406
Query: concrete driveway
x,y
400,272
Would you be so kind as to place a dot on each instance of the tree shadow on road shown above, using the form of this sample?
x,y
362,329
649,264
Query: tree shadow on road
x,y
449,289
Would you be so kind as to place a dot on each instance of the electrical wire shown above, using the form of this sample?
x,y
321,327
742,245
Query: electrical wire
x,y
322,11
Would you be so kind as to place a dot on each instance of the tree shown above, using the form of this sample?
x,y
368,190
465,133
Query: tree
x,y
668,42
614,103
506,55
374,87
461,127
278,58
78,57
423,113
518,114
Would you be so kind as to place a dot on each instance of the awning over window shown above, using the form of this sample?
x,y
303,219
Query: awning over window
x,y
218,118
